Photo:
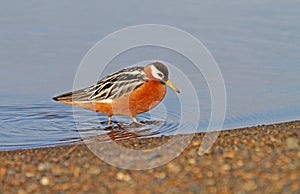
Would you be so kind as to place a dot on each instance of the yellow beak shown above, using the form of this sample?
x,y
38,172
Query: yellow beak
x,y
169,83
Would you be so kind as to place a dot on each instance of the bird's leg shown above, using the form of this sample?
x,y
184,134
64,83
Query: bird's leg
x,y
109,120
136,121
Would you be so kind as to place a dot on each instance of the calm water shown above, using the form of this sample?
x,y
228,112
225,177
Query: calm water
x,y
47,125
256,45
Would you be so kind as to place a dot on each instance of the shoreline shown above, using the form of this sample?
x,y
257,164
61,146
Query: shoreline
x,y
263,158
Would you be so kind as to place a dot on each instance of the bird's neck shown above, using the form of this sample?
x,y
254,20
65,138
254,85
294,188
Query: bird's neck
x,y
148,72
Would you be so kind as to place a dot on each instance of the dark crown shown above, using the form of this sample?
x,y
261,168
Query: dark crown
x,y
161,67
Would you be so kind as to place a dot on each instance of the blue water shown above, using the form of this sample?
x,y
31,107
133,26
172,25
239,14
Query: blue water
x,y
40,125
256,45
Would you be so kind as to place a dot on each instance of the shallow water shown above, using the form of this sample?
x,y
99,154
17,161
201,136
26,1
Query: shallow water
x,y
256,45
43,125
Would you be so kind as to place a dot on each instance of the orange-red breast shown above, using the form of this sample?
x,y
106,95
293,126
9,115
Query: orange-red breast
x,y
128,92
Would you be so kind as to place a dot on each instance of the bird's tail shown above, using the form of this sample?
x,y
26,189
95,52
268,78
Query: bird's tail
x,y
68,97
75,96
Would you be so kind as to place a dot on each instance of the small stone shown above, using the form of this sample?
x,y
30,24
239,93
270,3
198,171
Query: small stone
x,y
44,166
212,189
210,182
226,167
66,163
192,161
45,181
250,186
275,177
123,177
11,171
65,187
29,174
292,142
210,174
94,170
21,191
2,172
229,154
76,172
54,159
294,176
240,163
295,186
160,175
174,168
272,139
56,170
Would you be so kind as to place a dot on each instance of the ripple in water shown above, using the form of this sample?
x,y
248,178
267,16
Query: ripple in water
x,y
156,123
34,126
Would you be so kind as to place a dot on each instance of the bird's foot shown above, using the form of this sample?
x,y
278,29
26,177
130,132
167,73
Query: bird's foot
x,y
137,122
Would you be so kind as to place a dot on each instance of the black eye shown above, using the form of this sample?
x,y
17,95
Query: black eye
x,y
160,74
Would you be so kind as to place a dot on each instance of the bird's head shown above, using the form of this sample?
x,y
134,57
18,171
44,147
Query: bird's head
x,y
159,72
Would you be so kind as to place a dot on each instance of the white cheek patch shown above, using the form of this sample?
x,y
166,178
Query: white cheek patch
x,y
155,72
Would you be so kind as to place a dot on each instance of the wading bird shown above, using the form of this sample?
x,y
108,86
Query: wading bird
x,y
128,92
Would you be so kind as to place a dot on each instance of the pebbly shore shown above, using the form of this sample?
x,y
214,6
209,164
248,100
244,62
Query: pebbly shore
x,y
261,159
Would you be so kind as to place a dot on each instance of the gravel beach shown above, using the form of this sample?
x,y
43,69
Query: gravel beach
x,y
262,159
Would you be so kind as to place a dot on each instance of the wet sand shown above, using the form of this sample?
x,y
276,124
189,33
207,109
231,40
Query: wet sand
x,y
263,159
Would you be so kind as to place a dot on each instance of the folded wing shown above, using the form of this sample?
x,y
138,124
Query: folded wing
x,y
110,87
